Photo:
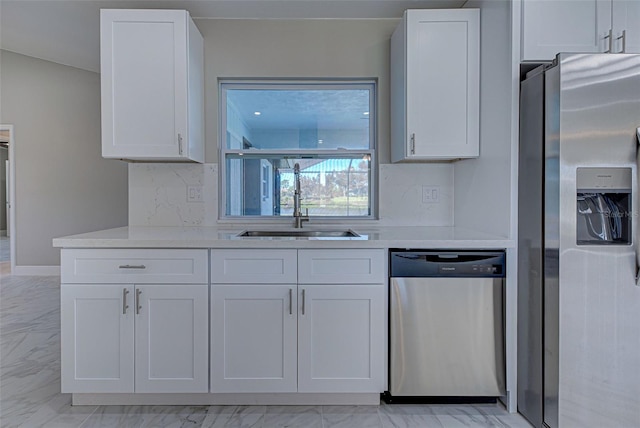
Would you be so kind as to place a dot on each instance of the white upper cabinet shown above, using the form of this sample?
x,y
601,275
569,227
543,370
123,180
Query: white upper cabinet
x,y
435,89
152,77
625,26
589,26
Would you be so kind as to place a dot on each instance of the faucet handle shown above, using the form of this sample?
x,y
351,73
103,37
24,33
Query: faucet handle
x,y
306,213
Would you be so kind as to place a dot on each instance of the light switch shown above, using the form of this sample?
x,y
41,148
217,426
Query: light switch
x,y
430,194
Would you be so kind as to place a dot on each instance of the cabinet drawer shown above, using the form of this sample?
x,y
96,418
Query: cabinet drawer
x,y
253,267
341,266
134,266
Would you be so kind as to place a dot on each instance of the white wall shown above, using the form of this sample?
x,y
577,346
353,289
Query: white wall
x,y
484,185
63,185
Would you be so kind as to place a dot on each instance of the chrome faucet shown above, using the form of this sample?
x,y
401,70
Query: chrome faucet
x,y
298,218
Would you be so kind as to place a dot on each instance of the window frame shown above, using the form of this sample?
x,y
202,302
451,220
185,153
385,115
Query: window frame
x,y
370,84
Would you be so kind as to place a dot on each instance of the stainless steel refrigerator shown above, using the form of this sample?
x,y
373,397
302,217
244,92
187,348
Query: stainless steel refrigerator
x,y
578,294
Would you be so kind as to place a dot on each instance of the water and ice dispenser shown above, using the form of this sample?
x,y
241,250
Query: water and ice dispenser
x,y
603,206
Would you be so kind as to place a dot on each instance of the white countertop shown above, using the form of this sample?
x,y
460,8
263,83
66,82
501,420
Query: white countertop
x,y
214,237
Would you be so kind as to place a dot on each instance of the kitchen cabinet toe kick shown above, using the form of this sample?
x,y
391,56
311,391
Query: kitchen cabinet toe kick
x,y
227,399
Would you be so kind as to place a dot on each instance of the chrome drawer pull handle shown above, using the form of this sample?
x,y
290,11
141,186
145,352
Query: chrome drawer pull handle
x,y
124,301
623,37
610,42
290,301
138,307
132,267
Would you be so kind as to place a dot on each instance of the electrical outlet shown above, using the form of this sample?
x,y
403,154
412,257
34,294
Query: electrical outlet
x,y
430,194
194,193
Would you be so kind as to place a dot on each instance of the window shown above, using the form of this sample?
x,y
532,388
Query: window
x,y
326,127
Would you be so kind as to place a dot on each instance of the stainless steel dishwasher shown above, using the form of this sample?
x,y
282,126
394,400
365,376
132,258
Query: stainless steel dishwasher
x,y
446,324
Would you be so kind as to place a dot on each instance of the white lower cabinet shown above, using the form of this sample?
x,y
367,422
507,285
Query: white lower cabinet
x,y
277,321
125,337
253,338
97,338
298,337
340,338
171,338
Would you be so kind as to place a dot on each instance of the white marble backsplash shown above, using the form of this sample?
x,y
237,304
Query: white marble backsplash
x,y
401,200
158,194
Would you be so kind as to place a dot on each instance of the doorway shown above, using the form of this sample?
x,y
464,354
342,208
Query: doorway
x,y
7,203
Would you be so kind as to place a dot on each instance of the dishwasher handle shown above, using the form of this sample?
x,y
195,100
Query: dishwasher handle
x,y
420,263
456,258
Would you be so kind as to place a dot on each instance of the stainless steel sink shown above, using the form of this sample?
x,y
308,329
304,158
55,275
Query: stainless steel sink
x,y
299,234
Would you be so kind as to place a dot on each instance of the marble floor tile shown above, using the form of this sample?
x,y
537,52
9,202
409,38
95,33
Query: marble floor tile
x,y
29,346
351,417
475,421
292,417
407,420
146,417
351,420
242,417
406,409
354,410
513,421
460,410
59,413
218,416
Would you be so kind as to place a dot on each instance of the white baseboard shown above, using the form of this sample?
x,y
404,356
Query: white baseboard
x,y
35,270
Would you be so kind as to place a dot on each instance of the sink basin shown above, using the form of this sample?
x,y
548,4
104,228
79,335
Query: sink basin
x,y
300,233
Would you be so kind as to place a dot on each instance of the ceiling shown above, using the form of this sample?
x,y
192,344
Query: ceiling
x,y
67,31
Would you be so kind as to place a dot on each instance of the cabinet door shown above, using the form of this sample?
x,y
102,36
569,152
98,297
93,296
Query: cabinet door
x,y
144,83
550,27
97,338
341,338
171,338
626,17
442,84
253,338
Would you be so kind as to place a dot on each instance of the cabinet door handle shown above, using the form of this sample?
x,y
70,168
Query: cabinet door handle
x,y
303,300
138,307
290,301
180,144
132,267
610,37
124,301
623,37
413,144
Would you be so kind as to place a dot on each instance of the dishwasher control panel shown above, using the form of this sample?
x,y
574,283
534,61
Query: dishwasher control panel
x,y
446,263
